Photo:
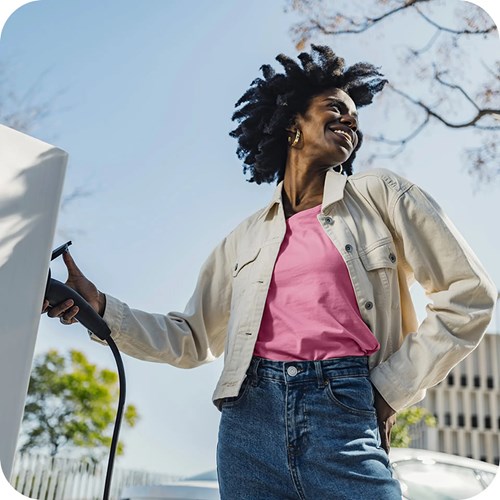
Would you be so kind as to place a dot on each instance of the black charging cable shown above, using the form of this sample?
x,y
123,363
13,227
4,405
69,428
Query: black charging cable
x,y
119,413
57,292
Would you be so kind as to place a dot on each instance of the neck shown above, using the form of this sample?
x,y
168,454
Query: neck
x,y
302,186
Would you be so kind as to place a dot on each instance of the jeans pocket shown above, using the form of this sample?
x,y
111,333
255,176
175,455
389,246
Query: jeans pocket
x,y
236,400
352,393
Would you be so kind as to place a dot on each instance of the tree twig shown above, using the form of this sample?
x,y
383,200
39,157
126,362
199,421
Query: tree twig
x,y
489,29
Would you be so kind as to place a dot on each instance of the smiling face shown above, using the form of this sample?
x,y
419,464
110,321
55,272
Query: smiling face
x,y
328,129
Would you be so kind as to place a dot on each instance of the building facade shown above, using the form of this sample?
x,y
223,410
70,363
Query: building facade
x,y
467,407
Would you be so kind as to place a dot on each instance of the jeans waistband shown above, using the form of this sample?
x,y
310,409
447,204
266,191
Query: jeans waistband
x,y
291,372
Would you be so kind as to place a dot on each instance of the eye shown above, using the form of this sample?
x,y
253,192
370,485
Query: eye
x,y
335,108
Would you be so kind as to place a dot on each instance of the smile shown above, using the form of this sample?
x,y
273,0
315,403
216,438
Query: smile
x,y
343,134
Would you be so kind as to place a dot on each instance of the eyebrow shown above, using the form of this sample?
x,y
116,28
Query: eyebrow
x,y
340,103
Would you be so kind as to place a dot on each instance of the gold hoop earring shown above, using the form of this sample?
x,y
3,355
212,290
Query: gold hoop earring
x,y
296,139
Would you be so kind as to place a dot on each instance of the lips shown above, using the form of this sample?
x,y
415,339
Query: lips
x,y
343,132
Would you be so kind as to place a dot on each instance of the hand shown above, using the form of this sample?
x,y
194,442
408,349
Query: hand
x,y
66,311
386,417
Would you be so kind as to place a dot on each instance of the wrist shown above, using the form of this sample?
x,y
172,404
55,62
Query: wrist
x,y
101,301
384,410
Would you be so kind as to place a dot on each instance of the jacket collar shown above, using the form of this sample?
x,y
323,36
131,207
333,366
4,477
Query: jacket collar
x,y
333,191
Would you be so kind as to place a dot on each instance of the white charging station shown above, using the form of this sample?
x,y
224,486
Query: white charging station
x,y
31,181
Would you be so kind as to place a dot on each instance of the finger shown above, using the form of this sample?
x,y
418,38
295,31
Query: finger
x,y
45,306
60,308
70,314
388,439
71,265
383,435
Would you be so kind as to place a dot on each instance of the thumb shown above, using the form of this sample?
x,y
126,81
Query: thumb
x,y
73,269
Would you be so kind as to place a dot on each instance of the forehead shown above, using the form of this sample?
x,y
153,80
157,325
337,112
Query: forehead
x,y
337,95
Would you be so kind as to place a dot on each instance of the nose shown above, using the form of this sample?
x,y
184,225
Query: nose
x,y
350,121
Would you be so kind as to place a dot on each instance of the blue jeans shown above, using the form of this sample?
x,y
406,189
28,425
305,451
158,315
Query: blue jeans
x,y
303,430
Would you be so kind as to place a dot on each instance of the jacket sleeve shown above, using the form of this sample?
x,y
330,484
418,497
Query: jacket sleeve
x,y
188,339
461,293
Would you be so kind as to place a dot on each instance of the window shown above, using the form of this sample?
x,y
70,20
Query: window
x,y
447,419
477,381
463,380
451,379
461,420
473,421
487,422
489,382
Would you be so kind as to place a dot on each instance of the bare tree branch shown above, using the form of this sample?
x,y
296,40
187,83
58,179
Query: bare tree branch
x,y
447,81
77,194
403,141
428,45
485,31
368,22
437,76
430,112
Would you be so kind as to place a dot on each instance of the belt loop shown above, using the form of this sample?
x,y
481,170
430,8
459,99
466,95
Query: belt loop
x,y
255,366
319,374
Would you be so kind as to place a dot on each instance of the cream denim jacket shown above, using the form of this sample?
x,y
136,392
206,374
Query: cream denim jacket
x,y
389,233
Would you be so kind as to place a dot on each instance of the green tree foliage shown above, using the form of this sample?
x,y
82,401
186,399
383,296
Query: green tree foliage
x,y
71,403
406,419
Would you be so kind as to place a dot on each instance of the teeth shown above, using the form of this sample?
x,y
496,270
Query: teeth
x,y
343,133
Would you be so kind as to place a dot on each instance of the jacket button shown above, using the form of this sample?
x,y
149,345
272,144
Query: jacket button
x,y
392,258
368,305
328,220
348,248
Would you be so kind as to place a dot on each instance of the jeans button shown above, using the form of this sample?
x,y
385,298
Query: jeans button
x,y
292,371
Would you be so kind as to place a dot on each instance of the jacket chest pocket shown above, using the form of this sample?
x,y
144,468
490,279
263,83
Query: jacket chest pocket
x,y
244,274
245,262
380,262
245,270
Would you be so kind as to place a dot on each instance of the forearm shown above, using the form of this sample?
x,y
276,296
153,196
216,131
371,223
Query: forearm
x,y
462,299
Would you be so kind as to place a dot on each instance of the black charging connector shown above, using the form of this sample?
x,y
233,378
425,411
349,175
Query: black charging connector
x,y
57,292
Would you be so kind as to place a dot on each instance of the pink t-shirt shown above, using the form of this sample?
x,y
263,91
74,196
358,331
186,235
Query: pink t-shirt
x,y
311,311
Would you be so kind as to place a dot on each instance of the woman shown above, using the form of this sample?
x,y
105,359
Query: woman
x,y
308,298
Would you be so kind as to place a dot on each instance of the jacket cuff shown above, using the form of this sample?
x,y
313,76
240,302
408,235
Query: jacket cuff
x,y
396,396
113,317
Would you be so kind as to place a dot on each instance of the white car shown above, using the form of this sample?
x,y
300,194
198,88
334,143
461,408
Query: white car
x,y
430,475
424,475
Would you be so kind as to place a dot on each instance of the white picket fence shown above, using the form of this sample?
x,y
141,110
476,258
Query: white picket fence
x,y
46,478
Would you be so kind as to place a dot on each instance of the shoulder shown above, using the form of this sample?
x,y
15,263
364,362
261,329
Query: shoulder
x,y
379,188
379,179
246,227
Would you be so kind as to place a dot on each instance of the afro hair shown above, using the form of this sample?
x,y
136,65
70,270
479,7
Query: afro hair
x,y
271,103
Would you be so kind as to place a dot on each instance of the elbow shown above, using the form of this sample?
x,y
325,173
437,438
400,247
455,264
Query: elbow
x,y
485,298
490,295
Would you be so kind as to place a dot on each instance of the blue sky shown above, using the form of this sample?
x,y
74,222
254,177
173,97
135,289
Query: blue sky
x,y
149,88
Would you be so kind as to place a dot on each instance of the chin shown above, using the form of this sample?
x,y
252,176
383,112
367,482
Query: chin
x,y
338,160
